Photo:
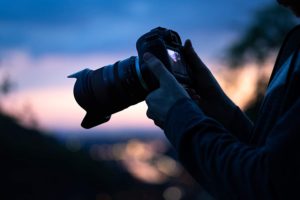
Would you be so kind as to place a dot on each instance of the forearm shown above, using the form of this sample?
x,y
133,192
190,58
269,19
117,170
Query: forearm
x,y
240,125
228,115
219,161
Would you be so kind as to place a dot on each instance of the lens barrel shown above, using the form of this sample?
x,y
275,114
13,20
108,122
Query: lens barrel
x,y
108,90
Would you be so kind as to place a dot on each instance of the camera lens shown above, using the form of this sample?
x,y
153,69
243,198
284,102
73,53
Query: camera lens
x,y
109,89
112,88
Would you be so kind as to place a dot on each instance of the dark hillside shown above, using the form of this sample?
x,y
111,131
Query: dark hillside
x,y
36,166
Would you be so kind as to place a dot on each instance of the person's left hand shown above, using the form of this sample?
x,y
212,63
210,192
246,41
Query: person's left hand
x,y
161,100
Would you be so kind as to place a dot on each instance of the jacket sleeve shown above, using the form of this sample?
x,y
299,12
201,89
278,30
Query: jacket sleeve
x,y
240,125
228,168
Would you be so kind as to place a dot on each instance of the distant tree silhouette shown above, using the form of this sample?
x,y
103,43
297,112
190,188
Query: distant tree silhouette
x,y
260,40
6,85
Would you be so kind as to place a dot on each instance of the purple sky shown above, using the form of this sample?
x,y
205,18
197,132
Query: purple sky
x,y
43,41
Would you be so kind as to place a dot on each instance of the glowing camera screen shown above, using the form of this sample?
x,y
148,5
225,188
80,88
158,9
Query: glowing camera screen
x,y
176,61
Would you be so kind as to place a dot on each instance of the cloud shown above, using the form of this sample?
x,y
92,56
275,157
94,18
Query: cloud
x,y
43,41
65,26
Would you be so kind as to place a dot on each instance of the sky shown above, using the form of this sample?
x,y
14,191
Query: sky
x,y
43,41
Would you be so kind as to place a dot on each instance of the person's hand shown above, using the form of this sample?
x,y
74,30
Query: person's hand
x,y
213,101
161,100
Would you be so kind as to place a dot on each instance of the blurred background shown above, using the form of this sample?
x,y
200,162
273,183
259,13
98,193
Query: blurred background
x,y
46,151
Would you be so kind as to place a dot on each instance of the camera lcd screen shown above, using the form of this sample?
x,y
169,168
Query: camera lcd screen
x,y
176,61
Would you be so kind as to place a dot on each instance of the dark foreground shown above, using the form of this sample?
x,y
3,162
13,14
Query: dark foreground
x,y
37,166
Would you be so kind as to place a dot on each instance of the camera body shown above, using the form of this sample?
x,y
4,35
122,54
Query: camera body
x,y
113,88
166,45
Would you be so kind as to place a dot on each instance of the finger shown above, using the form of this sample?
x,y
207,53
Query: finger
x,y
158,69
151,97
189,50
156,121
192,58
159,124
149,114
201,74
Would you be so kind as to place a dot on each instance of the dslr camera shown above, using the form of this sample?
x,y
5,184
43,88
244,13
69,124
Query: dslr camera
x,y
112,88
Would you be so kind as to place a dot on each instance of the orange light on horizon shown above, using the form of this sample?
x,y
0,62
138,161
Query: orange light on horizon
x,y
48,96
142,159
57,108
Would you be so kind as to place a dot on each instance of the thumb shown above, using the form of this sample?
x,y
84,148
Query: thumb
x,y
205,82
158,69
193,60
199,70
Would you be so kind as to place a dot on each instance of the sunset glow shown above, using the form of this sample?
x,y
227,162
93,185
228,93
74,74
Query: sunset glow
x,y
46,95
38,50
53,105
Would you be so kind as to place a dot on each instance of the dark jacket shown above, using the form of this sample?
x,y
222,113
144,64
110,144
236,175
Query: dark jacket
x,y
245,161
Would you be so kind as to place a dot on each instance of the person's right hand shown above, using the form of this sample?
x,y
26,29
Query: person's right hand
x,y
213,101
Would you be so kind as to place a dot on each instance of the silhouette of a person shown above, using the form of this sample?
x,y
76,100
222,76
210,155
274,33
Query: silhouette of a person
x,y
228,155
